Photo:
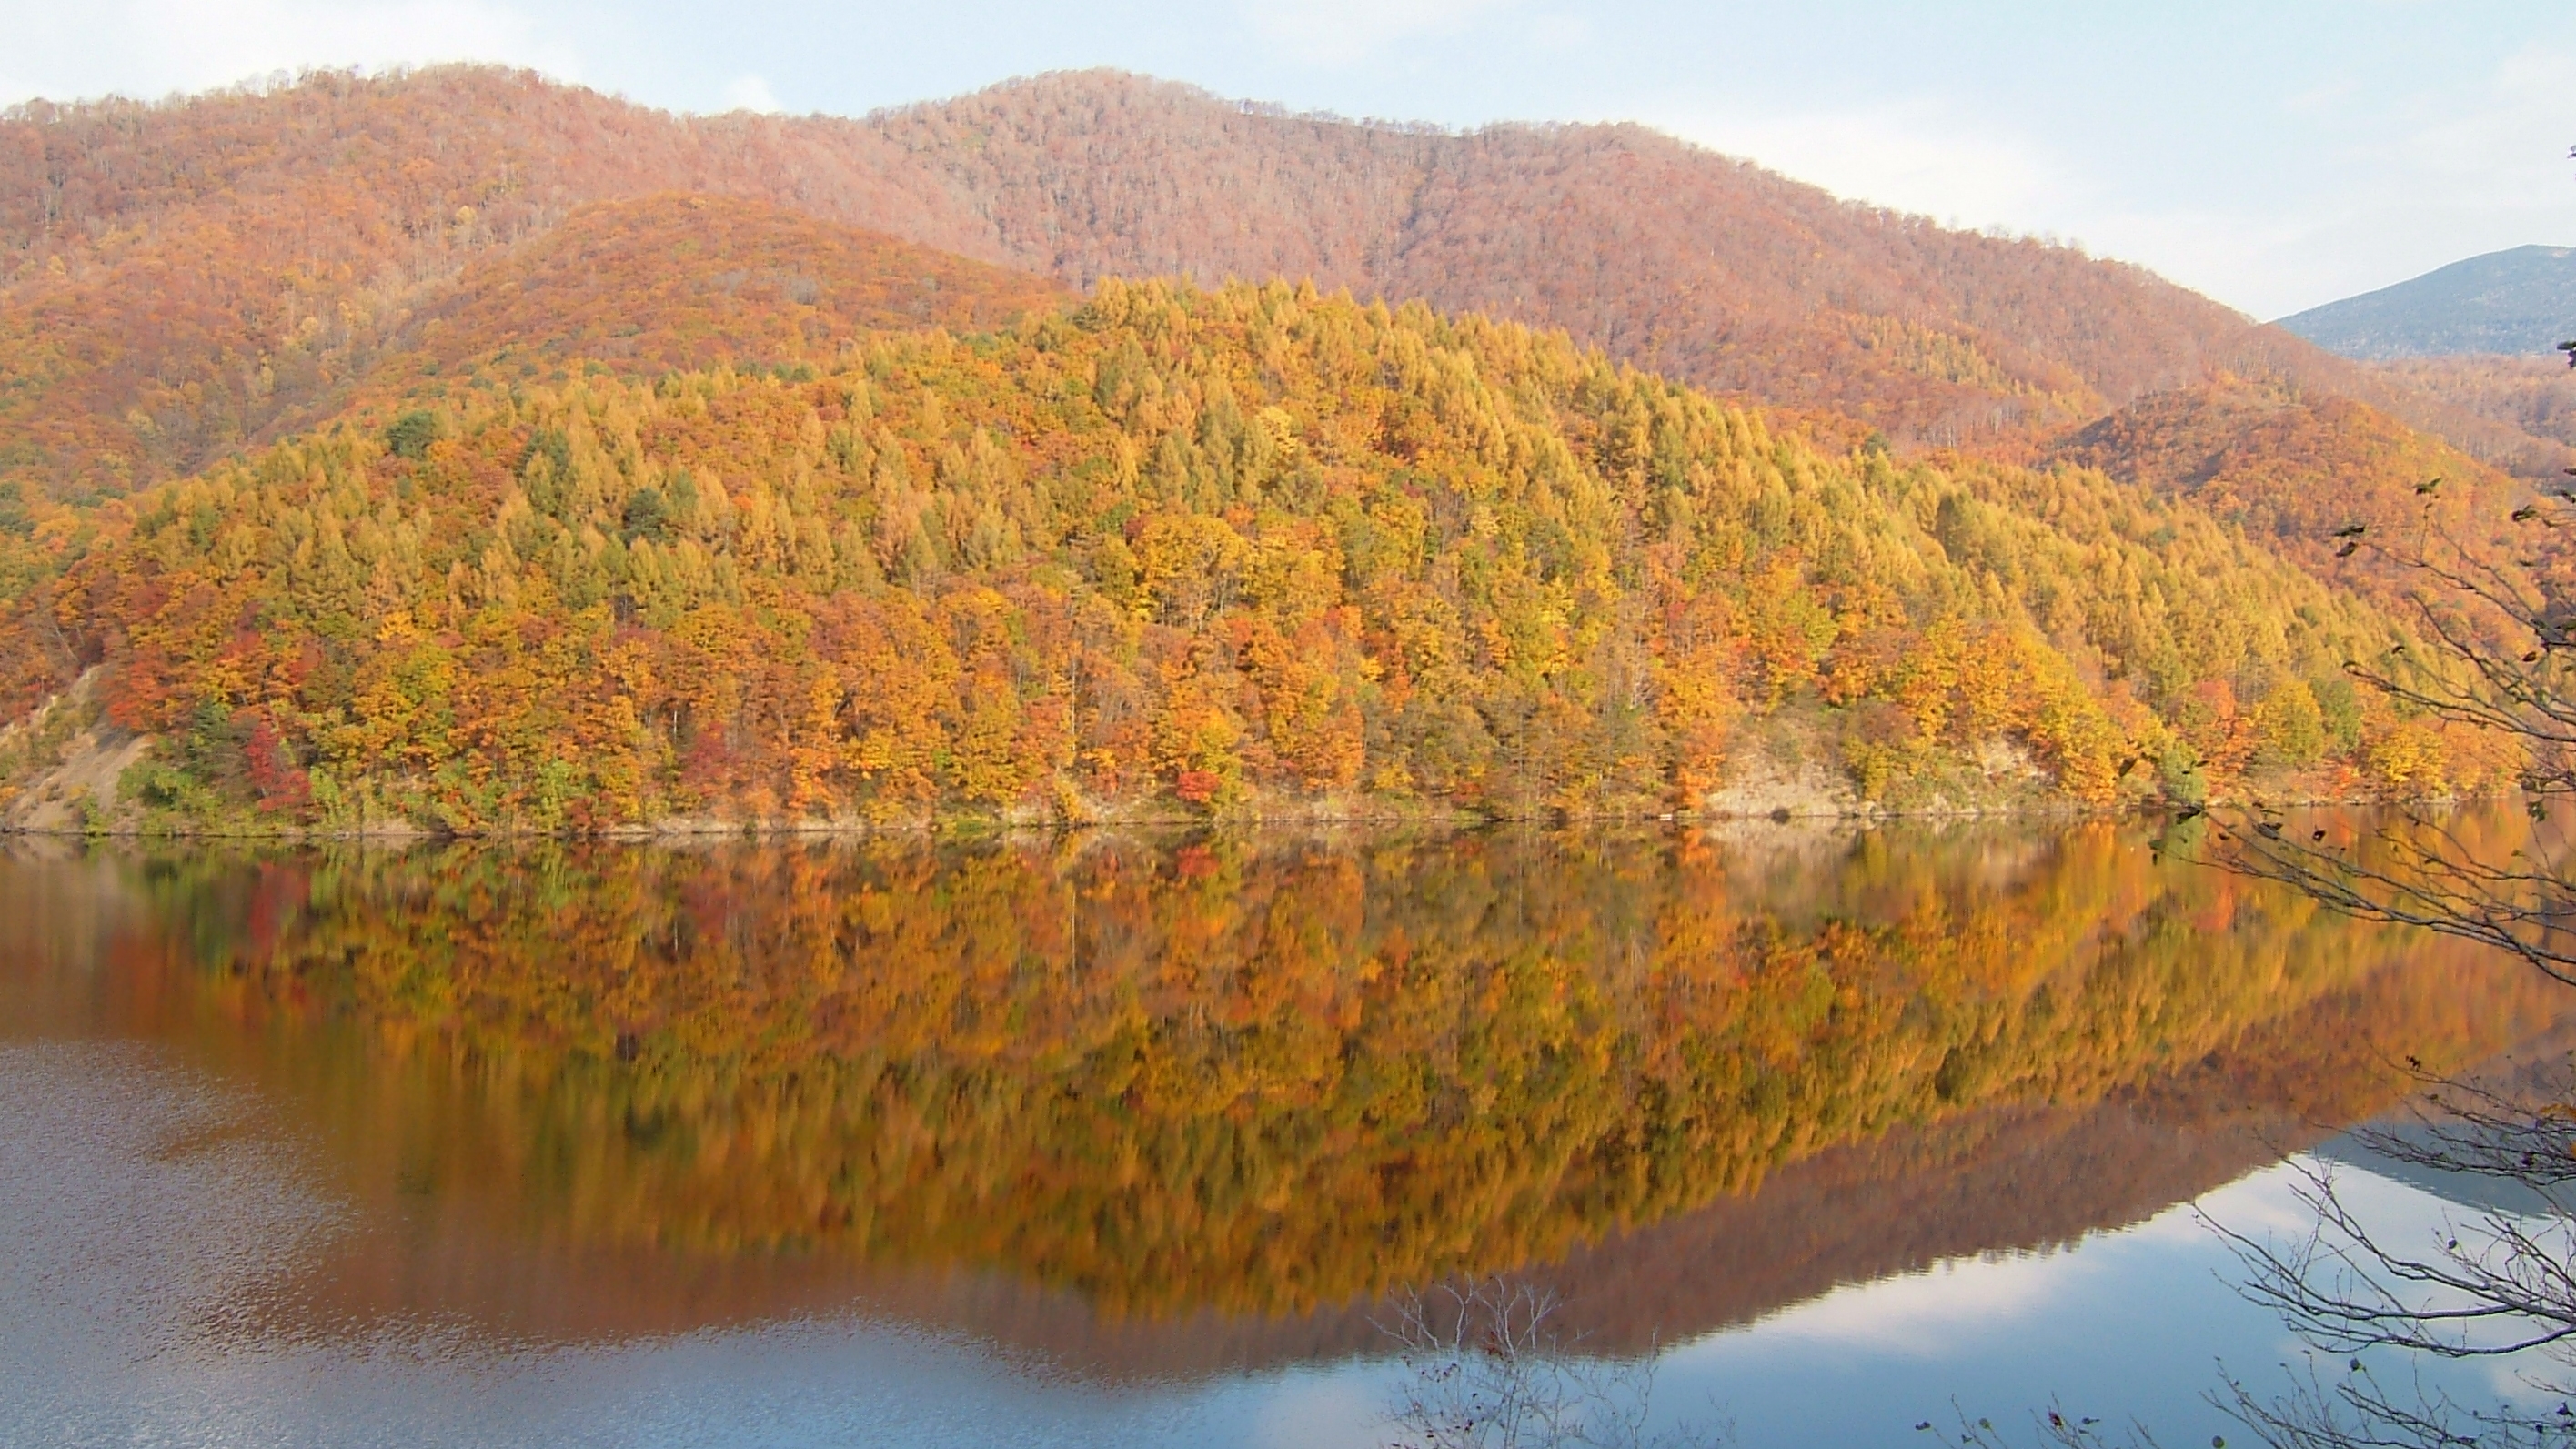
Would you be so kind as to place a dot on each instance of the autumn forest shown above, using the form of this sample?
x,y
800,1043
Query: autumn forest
x,y
459,452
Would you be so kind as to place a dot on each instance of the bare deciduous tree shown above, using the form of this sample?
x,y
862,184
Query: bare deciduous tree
x,y
2496,1282
2503,640
2493,1283
1486,1368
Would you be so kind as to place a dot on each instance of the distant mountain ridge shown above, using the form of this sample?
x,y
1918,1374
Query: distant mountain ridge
x,y
2518,301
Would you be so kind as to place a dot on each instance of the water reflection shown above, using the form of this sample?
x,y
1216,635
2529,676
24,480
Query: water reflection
x,y
1142,1108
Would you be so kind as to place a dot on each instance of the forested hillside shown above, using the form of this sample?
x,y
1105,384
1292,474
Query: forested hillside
x,y
464,451
1704,267
181,280
2536,395
1247,551
2291,469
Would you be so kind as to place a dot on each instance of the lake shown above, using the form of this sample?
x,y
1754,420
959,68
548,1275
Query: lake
x,y
1101,1139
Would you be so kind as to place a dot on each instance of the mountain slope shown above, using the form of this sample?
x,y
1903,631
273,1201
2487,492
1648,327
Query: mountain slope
x,y
1251,550
2522,300
678,282
182,280
2291,469
1675,258
2536,395
2298,473
178,281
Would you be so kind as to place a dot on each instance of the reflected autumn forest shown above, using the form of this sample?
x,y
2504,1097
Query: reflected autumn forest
x,y
1162,1105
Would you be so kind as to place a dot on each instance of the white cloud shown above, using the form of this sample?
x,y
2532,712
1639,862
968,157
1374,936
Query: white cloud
x,y
751,93
155,47
1912,155
1934,1313
1340,32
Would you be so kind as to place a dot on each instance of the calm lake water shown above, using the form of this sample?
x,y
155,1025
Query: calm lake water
x,y
1116,1141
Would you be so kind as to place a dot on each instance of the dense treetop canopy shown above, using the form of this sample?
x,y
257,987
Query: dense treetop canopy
x,y
1174,549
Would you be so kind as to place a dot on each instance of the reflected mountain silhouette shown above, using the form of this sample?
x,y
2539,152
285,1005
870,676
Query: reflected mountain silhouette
x,y
1156,1107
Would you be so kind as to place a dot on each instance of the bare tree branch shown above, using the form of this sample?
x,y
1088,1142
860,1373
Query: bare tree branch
x,y
1485,1368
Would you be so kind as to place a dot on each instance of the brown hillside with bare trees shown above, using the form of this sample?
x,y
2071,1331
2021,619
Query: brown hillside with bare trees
x,y
180,279
1666,255
678,282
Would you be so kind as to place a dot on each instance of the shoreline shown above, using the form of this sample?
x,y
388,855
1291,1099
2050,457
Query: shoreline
x,y
694,830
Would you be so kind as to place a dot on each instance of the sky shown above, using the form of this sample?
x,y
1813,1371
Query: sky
x,y
2275,154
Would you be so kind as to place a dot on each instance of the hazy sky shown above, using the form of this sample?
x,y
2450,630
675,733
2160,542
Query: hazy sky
x,y
2274,153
